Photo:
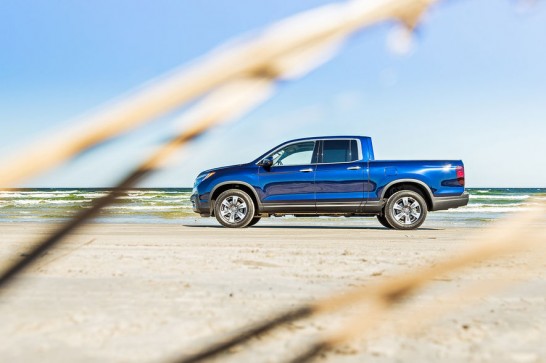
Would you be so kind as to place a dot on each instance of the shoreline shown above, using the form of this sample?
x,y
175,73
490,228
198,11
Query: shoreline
x,y
173,207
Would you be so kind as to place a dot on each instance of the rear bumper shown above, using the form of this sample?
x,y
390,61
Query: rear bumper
x,y
443,203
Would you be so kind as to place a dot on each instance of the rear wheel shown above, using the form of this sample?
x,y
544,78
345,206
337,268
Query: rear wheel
x,y
405,209
234,209
383,220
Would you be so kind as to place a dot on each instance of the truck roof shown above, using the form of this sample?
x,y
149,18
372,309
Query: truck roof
x,y
331,137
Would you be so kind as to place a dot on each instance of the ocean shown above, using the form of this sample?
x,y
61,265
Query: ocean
x,y
173,206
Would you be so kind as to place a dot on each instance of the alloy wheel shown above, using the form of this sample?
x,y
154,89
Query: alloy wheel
x,y
406,210
233,209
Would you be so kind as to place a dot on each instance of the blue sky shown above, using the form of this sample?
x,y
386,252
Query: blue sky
x,y
473,86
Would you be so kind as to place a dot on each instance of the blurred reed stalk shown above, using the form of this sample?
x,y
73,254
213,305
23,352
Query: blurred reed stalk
x,y
513,235
232,80
286,50
237,77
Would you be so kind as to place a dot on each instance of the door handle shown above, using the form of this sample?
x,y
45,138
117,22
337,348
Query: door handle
x,y
306,170
353,168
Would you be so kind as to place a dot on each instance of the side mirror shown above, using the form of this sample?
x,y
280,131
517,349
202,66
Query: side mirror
x,y
267,163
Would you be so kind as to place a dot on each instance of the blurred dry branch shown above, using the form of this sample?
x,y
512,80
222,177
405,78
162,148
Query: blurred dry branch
x,y
227,100
232,79
288,49
515,235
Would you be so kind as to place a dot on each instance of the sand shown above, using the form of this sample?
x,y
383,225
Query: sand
x,y
151,292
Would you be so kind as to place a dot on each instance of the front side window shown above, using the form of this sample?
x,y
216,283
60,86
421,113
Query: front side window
x,y
294,154
339,151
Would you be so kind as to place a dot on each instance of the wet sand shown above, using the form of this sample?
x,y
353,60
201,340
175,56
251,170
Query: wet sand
x,y
150,292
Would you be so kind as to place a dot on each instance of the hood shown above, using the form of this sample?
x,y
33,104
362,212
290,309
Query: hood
x,y
221,168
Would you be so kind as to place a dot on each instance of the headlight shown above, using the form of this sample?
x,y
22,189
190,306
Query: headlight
x,y
202,177
209,175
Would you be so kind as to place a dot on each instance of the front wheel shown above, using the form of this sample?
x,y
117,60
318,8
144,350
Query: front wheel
x,y
405,209
234,209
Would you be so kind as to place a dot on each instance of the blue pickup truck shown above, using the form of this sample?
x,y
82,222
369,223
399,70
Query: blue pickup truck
x,y
334,175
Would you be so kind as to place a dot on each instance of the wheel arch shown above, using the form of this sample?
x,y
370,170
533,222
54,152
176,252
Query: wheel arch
x,y
409,184
222,187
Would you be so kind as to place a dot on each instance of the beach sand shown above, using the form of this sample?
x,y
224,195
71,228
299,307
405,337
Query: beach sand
x,y
151,292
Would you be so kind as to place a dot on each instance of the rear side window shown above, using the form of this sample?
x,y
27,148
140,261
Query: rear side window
x,y
339,151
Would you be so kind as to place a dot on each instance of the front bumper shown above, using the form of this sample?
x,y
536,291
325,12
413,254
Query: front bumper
x,y
443,203
199,206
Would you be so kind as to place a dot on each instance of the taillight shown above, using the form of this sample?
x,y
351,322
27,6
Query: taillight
x,y
460,175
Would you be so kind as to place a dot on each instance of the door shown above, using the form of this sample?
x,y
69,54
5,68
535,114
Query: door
x,y
340,177
288,185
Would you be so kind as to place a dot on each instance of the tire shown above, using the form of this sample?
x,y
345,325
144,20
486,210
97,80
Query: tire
x,y
405,210
383,220
234,209
254,221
